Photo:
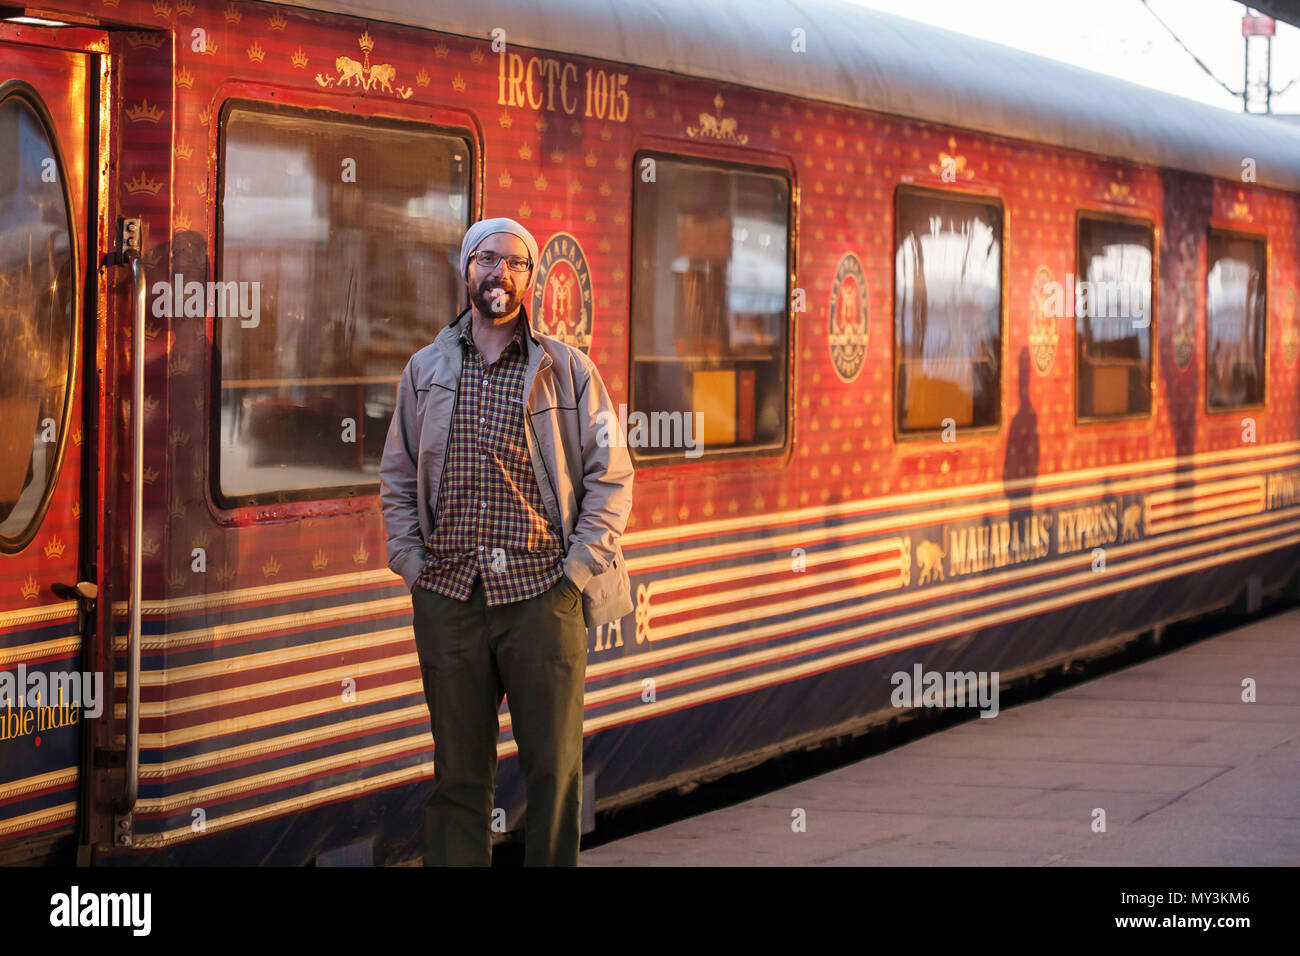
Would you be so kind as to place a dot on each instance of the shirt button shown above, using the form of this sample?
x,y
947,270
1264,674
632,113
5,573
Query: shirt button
x,y
484,381
482,504
484,457
481,420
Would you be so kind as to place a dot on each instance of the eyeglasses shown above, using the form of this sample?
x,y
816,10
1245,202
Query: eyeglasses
x,y
488,260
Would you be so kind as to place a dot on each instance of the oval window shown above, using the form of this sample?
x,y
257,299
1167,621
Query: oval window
x,y
38,298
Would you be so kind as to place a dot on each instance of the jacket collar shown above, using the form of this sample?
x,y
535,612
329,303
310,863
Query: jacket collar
x,y
447,342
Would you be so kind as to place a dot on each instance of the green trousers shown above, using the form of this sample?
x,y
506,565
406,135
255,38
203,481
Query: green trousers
x,y
534,652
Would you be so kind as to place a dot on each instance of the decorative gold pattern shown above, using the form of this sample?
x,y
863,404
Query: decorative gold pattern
x,y
1044,332
718,127
365,74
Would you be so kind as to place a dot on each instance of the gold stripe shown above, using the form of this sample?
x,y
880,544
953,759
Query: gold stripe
x,y
230,788
284,655
64,812
219,599
60,647
1282,454
295,804
265,718
801,537
37,615
264,625
55,778
266,748
176,706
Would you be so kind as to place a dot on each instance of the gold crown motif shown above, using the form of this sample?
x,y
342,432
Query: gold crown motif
x,y
150,546
255,52
179,438
150,475
276,22
201,540
144,113
184,151
137,40
143,184
440,51
233,14
162,9
361,555
205,117
76,509
30,589
319,561
175,581
271,568
476,55
366,42
225,576
504,119
55,547
422,78
181,223
458,83
184,7
185,79
299,58
525,152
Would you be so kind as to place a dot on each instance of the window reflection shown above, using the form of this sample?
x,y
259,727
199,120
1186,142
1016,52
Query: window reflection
x,y
353,231
1113,317
947,311
710,283
1235,321
37,303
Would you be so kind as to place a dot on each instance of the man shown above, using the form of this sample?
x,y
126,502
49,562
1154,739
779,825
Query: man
x,y
504,502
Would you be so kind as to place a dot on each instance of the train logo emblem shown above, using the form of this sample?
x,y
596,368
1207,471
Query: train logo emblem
x,y
1043,331
848,319
1184,337
1290,333
365,74
561,306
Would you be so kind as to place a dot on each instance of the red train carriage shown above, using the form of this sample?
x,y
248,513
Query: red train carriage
x,y
933,353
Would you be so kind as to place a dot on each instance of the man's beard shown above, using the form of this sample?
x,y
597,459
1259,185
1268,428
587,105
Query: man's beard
x,y
492,308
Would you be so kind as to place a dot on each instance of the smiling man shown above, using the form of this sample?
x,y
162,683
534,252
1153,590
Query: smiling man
x,y
504,511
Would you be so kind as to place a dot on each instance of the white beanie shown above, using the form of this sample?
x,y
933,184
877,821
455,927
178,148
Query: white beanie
x,y
486,227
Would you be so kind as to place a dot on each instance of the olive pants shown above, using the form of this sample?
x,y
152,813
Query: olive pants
x,y
535,653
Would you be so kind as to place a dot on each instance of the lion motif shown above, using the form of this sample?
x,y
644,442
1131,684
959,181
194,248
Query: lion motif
x,y
349,69
929,559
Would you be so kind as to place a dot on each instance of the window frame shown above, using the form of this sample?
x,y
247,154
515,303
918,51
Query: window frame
x,y
1144,217
1235,230
17,88
333,112
743,161
990,198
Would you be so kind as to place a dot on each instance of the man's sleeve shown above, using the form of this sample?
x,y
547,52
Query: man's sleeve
x,y
607,484
399,486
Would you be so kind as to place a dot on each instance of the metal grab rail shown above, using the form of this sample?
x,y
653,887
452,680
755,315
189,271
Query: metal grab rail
x,y
139,288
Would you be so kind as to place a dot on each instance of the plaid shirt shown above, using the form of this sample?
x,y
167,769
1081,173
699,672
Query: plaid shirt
x,y
489,517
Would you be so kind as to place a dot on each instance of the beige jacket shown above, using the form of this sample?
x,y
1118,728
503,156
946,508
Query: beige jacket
x,y
586,485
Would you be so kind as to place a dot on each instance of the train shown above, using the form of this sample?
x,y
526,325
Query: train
x,y
931,356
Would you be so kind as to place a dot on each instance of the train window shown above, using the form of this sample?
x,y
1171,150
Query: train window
x,y
1235,332
710,306
1112,310
947,310
38,299
343,235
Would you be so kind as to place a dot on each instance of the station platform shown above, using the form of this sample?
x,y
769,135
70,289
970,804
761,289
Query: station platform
x,y
1187,773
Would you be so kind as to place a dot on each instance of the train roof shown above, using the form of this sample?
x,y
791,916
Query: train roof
x,y
871,60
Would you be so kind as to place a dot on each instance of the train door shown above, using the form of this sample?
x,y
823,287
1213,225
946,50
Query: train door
x,y
48,446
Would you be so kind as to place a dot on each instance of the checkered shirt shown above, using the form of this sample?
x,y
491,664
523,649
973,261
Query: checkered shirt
x,y
490,519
